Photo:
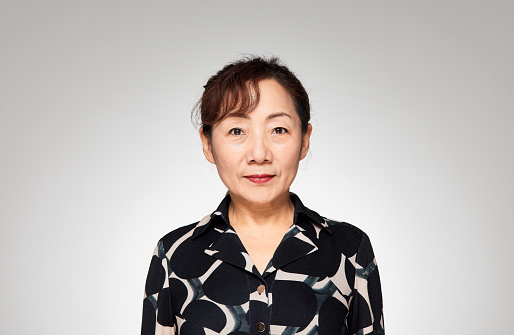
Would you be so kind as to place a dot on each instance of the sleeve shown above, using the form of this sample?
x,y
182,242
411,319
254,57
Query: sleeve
x,y
157,312
365,313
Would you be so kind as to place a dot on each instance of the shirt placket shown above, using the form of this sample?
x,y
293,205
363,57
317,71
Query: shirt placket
x,y
260,301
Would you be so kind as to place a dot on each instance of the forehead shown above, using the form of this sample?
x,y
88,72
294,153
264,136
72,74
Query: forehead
x,y
273,101
272,92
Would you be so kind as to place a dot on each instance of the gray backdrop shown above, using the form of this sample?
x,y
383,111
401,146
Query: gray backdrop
x,y
413,120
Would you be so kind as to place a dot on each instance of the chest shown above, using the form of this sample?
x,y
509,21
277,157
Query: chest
x,y
304,296
260,247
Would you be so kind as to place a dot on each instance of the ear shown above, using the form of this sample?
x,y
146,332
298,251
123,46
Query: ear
x,y
206,145
306,142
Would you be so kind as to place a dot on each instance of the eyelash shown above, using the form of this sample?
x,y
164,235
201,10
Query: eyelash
x,y
233,130
276,130
282,129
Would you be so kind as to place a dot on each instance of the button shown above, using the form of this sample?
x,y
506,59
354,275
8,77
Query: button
x,y
261,289
261,327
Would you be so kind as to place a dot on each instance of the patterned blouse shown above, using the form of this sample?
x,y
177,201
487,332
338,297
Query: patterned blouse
x,y
322,279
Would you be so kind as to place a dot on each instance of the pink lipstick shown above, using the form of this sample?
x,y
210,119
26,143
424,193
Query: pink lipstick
x,y
259,178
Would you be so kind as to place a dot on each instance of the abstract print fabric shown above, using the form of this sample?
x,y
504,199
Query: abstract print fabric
x,y
322,279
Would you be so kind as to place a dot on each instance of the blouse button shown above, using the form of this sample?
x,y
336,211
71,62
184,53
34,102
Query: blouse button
x,y
260,327
261,289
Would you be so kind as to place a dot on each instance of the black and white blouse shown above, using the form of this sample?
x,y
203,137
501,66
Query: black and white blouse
x,y
322,279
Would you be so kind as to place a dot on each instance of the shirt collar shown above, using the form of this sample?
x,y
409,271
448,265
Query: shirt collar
x,y
221,213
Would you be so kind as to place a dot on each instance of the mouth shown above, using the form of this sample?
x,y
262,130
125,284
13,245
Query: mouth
x,y
259,178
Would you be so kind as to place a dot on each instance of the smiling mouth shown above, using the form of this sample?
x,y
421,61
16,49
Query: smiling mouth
x,y
259,178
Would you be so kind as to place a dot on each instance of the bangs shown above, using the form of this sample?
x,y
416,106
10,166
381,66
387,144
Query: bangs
x,y
238,100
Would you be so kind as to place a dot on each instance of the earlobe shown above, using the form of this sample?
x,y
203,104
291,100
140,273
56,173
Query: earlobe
x,y
206,146
306,142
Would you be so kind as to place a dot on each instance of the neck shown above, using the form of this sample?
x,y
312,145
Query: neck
x,y
276,213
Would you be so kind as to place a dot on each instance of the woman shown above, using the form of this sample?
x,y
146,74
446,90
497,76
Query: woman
x,y
262,262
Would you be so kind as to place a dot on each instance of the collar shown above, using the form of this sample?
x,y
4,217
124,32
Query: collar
x,y
301,213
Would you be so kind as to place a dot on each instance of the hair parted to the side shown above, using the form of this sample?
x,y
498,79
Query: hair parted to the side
x,y
234,90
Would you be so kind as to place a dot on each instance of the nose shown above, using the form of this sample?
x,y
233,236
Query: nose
x,y
258,150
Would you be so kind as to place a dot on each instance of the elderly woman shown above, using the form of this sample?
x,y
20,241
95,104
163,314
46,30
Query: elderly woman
x,y
262,262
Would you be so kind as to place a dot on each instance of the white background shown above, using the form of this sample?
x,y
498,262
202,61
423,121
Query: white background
x,y
413,142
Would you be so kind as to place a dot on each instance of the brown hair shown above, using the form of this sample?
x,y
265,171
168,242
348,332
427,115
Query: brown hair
x,y
234,90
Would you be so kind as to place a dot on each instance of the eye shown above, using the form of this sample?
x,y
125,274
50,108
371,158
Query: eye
x,y
279,130
236,131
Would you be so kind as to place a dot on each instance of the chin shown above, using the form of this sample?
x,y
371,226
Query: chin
x,y
260,198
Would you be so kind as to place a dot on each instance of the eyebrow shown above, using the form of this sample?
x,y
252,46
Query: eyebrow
x,y
272,116
269,117
243,116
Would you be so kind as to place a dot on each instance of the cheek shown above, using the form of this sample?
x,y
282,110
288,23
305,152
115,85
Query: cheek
x,y
225,157
290,157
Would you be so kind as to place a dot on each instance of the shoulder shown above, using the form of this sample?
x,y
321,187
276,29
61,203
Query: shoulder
x,y
351,240
345,237
199,231
343,229
177,235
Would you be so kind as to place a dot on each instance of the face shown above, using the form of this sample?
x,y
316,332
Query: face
x,y
257,155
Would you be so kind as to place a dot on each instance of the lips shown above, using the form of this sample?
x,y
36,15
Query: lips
x,y
259,178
